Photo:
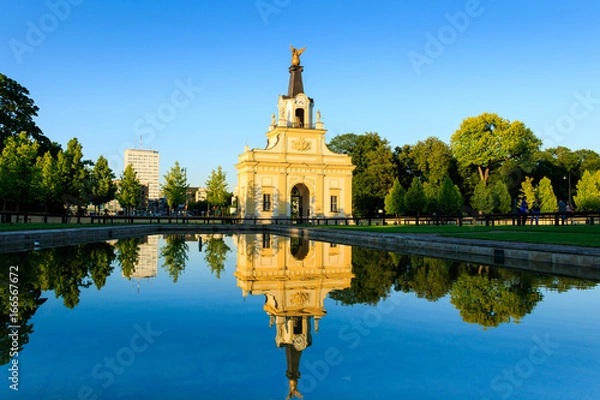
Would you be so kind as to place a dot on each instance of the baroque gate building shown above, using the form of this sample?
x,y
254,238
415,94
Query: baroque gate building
x,y
296,175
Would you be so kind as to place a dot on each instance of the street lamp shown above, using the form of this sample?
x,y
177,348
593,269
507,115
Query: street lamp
x,y
569,183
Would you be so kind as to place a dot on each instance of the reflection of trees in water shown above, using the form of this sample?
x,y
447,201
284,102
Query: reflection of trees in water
x,y
216,253
128,255
483,295
174,254
63,269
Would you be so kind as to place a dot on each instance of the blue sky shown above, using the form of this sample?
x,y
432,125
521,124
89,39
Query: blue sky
x,y
200,79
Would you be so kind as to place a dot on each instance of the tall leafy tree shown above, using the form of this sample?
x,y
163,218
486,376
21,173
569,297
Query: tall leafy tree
x,y
433,158
528,190
174,255
394,200
501,200
374,173
18,170
415,198
74,175
216,254
129,189
17,110
128,255
588,192
48,183
486,141
482,198
546,196
216,188
175,187
450,201
103,188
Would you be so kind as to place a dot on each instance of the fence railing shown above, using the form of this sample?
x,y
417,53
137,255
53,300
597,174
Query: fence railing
x,y
589,218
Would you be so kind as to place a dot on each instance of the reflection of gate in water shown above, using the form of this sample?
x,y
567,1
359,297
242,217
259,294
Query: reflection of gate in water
x,y
295,275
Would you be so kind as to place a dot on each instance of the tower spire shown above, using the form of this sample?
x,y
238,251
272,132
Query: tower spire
x,y
295,86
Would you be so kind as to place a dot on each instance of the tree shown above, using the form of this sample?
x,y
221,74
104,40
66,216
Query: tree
x,y
415,198
546,196
501,200
486,141
18,170
174,254
394,200
432,192
103,187
482,199
129,189
216,188
48,184
73,175
175,187
588,192
374,173
450,201
432,158
17,111
128,255
528,190
215,255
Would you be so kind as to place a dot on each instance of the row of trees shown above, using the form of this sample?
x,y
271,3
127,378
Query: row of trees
x,y
489,163
35,172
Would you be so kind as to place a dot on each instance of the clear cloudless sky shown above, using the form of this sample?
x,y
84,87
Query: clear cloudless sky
x,y
110,71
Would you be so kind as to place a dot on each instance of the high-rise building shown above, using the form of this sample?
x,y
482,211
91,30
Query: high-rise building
x,y
146,165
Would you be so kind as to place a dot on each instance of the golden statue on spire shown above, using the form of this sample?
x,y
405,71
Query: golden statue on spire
x,y
296,55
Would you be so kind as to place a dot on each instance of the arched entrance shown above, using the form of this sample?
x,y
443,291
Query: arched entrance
x,y
299,202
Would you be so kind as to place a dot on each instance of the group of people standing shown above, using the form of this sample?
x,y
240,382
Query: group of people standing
x,y
564,209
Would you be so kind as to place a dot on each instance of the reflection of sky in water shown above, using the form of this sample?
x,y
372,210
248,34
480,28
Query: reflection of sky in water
x,y
216,344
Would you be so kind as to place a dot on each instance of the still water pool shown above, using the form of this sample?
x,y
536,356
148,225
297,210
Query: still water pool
x,y
268,317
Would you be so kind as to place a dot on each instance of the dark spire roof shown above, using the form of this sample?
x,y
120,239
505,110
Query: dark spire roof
x,y
295,85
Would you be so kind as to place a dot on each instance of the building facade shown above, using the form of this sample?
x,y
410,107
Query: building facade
x,y
146,165
296,175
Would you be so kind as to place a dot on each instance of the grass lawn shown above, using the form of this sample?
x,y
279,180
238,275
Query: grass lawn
x,y
576,235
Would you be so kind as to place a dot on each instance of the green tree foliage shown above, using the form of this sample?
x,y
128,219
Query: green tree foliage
x,y
18,170
428,278
175,187
433,159
48,183
374,173
486,141
482,198
548,202
588,192
394,200
501,200
450,201
375,273
17,111
128,255
589,160
215,255
174,255
103,188
217,193
431,198
415,198
129,189
528,190
490,301
73,175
